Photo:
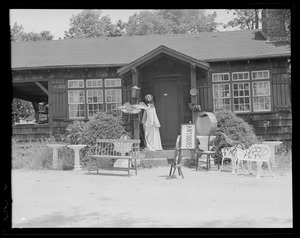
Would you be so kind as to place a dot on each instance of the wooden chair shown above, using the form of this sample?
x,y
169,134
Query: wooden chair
x,y
176,162
208,151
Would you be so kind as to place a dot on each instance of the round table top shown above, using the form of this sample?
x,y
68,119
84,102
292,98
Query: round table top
x,y
272,142
76,146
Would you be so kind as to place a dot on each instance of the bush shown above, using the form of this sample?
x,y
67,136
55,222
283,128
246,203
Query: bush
x,y
73,133
100,126
235,128
31,156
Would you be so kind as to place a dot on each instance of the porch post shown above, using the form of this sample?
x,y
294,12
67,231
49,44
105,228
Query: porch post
x,y
135,82
193,82
194,98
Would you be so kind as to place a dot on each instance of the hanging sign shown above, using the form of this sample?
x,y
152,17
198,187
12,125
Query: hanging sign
x,y
188,136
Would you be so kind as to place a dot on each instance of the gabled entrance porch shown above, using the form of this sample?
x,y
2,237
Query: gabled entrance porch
x,y
171,77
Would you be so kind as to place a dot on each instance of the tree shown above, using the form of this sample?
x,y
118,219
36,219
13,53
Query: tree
x,y
160,22
22,109
245,19
89,24
17,34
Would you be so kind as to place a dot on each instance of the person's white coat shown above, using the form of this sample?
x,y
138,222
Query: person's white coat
x,y
151,129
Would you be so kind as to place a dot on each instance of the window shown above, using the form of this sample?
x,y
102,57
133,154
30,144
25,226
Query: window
x,y
260,74
221,95
113,99
112,83
76,83
241,97
94,101
76,103
88,98
241,93
261,96
220,77
240,76
93,83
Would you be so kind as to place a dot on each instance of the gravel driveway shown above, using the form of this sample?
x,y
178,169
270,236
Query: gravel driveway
x,y
203,199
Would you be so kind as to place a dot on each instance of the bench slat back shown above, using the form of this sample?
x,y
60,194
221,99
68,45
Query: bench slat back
x,y
117,147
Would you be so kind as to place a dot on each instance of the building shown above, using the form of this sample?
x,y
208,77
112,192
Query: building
x,y
244,71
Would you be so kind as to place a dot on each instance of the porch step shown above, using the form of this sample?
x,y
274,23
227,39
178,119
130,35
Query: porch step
x,y
164,154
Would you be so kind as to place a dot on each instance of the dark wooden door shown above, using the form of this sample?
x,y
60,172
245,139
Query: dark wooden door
x,y
168,100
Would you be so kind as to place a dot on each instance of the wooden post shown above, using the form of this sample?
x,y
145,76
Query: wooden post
x,y
193,82
193,86
136,126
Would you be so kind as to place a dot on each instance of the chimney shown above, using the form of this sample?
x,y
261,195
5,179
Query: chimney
x,y
273,25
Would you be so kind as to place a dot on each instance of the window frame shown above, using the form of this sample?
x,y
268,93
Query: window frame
x,y
221,81
251,81
268,95
260,71
243,72
82,85
76,89
221,98
238,97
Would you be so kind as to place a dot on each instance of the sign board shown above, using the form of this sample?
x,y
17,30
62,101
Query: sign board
x,y
188,136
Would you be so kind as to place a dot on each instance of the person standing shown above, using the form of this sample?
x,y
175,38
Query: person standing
x,y
151,126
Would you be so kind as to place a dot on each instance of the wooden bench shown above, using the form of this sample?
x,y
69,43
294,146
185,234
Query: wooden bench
x,y
114,149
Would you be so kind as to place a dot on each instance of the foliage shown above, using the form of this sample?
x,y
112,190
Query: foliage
x,y
74,132
102,126
245,19
159,22
235,128
22,109
17,34
89,24
31,156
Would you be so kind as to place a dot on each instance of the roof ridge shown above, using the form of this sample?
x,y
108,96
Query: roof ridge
x,y
137,36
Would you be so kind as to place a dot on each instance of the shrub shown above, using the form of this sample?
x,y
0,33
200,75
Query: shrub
x,y
101,125
235,128
73,133
31,156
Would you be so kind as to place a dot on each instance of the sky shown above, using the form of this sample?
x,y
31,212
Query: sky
x,y
58,20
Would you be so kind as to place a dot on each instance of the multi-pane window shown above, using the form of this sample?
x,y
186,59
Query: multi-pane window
x,y
240,76
112,83
261,96
94,101
221,95
220,77
241,97
76,83
264,74
91,96
113,99
93,83
76,103
252,95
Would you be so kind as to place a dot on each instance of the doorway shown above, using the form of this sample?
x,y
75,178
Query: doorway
x,y
168,104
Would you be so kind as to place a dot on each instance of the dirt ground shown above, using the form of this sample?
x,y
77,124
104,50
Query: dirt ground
x,y
203,199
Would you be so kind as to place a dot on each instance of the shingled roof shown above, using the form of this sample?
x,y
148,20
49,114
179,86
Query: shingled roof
x,y
119,51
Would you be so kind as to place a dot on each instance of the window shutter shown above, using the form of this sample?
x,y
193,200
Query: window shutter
x,y
281,92
205,97
59,99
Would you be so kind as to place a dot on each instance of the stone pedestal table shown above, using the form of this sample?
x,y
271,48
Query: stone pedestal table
x,y
55,148
76,149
